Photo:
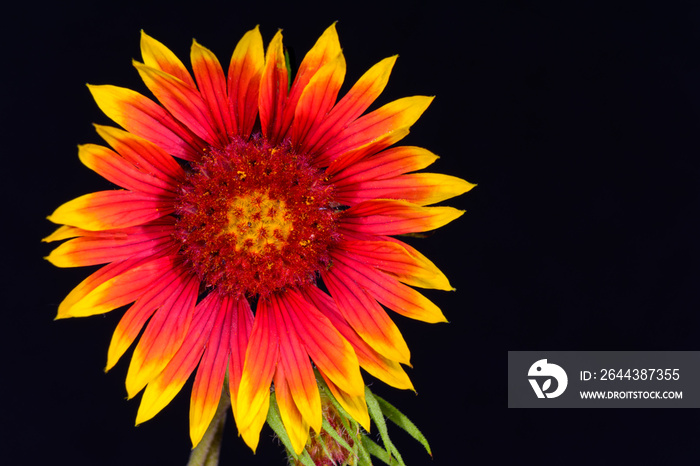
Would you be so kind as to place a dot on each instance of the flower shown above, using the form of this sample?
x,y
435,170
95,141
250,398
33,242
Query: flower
x,y
241,192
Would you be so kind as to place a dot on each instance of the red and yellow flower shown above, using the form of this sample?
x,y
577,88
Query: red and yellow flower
x,y
242,196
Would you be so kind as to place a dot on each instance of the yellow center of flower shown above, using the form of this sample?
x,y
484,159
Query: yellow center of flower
x,y
256,221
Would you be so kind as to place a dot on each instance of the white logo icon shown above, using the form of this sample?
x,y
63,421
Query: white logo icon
x,y
544,369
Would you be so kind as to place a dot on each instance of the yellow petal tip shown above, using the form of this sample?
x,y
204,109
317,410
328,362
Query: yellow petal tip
x,y
131,388
145,412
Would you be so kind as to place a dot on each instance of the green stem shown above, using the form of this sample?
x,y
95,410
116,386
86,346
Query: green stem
x,y
206,453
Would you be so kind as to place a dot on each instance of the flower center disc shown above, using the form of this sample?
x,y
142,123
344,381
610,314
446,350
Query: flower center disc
x,y
256,221
253,219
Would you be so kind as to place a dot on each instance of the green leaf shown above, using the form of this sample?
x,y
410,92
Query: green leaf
x,y
363,455
288,64
400,419
375,412
375,450
396,454
377,416
306,459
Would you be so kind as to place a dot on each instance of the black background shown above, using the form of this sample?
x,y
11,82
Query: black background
x,y
579,123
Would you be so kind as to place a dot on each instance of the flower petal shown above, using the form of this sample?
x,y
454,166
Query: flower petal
x,y
326,49
209,381
366,316
396,259
396,115
273,90
183,102
387,290
241,327
418,188
65,232
351,106
330,352
152,241
395,217
294,360
158,56
294,423
415,254
112,286
161,390
108,210
163,336
244,73
212,85
260,363
384,369
354,405
357,154
143,117
164,284
318,98
387,164
143,154
121,172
